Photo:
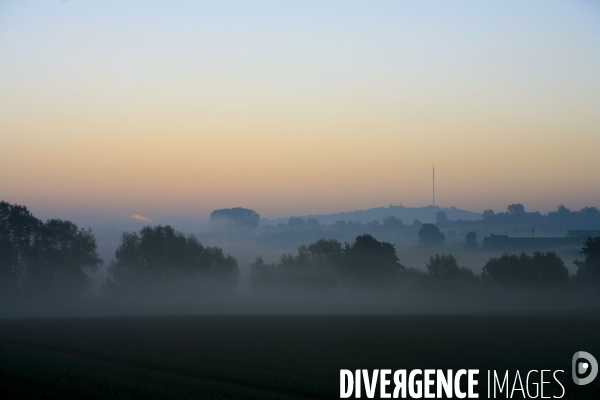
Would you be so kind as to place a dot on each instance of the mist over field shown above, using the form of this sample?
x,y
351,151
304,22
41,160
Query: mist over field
x,y
241,265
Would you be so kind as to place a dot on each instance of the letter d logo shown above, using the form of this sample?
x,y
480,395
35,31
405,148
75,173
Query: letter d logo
x,y
584,367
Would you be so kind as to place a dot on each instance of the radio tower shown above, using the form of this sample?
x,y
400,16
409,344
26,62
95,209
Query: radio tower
x,y
433,191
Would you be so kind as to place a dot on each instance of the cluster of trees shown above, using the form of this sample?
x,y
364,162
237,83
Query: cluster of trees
x,y
539,269
369,262
43,258
545,268
431,236
298,224
160,258
515,213
445,268
229,220
56,258
366,261
245,220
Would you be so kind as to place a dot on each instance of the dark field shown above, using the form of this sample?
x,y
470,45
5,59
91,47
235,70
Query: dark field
x,y
272,357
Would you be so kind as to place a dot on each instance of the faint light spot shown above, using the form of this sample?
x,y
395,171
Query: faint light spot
x,y
140,218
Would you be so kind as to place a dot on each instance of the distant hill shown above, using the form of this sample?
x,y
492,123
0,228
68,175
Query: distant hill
x,y
406,214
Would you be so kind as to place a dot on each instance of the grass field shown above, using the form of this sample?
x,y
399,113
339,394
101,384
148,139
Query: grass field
x,y
275,357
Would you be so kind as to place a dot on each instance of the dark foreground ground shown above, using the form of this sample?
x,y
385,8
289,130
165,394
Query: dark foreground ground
x,y
273,357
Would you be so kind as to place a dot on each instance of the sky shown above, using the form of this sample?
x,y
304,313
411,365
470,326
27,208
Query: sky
x,y
130,109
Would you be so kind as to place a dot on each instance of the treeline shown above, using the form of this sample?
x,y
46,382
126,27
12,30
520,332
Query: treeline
x,y
43,258
587,217
324,263
368,262
57,259
300,227
515,215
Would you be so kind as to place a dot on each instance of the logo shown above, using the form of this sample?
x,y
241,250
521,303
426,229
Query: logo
x,y
580,367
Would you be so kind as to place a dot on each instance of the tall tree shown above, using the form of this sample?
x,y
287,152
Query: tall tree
x,y
62,259
18,228
369,261
516,210
588,270
430,235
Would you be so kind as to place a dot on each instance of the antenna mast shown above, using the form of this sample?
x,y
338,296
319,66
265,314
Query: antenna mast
x,y
433,184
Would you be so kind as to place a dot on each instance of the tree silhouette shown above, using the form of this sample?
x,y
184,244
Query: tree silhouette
x,y
488,215
590,212
550,268
233,219
522,269
325,263
445,268
392,222
313,222
262,275
340,224
159,256
588,270
52,258
369,261
516,210
441,218
430,235
18,228
62,257
296,222
316,265
471,241
562,210
329,249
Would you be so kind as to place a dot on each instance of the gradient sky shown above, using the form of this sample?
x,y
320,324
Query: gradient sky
x,y
298,107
